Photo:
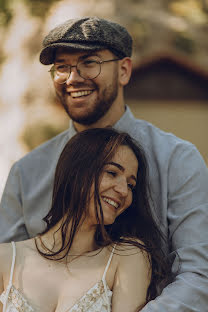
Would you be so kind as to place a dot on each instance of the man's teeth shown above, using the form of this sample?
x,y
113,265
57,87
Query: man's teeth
x,y
80,93
111,202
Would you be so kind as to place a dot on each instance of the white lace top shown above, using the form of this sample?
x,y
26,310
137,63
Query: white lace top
x,y
97,299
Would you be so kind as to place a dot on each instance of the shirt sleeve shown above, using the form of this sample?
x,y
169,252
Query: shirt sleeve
x,y
12,225
188,232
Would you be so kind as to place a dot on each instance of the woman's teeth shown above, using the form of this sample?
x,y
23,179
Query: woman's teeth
x,y
80,93
111,202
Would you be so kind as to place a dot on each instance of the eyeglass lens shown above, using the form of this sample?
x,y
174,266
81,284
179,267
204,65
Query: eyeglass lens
x,y
87,69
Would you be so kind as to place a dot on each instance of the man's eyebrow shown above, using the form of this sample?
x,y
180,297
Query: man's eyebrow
x,y
120,168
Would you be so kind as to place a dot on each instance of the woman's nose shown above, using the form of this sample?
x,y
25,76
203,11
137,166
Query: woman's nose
x,y
122,188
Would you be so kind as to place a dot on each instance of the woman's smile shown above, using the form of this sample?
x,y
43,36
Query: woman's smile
x,y
111,202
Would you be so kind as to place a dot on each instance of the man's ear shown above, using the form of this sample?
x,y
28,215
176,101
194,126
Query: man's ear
x,y
125,70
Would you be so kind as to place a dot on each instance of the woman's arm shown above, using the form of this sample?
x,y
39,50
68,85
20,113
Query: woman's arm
x,y
131,280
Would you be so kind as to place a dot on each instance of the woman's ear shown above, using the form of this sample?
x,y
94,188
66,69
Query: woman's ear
x,y
125,70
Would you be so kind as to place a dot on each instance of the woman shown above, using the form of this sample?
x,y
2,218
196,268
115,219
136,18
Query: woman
x,y
101,249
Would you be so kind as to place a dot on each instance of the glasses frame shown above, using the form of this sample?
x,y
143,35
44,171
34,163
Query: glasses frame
x,y
52,70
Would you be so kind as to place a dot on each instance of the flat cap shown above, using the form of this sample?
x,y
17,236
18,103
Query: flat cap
x,y
89,33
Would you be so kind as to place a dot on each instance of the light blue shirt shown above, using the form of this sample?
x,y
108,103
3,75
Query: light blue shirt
x,y
179,183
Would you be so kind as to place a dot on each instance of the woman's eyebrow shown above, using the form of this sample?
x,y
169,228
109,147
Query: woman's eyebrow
x,y
120,168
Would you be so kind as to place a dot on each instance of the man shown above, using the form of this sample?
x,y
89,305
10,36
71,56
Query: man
x,y
92,64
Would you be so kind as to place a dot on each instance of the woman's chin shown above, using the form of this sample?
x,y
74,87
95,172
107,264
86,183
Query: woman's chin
x,y
108,221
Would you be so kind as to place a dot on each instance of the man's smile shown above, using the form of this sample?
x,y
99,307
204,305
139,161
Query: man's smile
x,y
80,93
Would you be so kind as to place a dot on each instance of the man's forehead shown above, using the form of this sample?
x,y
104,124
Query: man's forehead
x,y
72,53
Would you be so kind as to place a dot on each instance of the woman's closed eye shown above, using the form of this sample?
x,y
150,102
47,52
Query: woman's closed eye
x,y
111,172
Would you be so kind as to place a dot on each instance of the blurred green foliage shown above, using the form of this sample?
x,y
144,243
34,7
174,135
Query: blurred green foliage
x,y
182,41
192,10
2,58
5,12
140,31
39,7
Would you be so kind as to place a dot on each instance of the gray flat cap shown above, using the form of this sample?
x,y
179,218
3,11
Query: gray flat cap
x,y
89,33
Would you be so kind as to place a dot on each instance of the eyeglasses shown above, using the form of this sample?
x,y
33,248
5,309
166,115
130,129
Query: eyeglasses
x,y
87,69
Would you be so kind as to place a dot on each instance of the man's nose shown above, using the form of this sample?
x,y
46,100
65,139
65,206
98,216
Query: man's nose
x,y
74,76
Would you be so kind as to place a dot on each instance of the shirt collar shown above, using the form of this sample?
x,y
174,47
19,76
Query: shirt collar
x,y
123,124
72,130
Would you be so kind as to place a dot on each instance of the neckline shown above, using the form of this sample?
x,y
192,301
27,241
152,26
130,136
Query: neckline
x,y
102,282
99,284
17,302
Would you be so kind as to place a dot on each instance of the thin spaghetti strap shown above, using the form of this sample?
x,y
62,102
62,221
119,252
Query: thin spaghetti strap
x,y
11,276
109,261
13,262
104,280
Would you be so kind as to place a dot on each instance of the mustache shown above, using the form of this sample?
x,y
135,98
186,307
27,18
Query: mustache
x,y
90,84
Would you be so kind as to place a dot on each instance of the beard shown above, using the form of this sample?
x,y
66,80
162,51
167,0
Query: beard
x,y
101,105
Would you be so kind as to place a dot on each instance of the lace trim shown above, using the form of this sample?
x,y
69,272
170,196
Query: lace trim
x,y
83,304
90,298
17,299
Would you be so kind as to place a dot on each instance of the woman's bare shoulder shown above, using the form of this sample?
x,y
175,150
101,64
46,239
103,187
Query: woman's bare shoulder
x,y
132,252
133,271
6,253
131,246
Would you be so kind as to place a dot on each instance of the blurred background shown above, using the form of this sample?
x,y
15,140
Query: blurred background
x,y
169,85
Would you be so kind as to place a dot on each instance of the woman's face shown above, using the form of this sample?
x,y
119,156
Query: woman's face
x,y
117,182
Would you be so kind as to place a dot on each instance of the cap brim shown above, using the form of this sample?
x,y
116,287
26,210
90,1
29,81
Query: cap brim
x,y
47,54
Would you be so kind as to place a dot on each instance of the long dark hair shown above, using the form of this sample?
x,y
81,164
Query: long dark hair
x,y
79,168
